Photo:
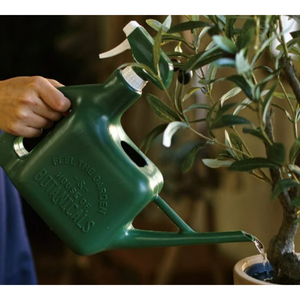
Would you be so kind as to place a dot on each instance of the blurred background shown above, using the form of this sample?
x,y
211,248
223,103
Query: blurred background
x,y
66,48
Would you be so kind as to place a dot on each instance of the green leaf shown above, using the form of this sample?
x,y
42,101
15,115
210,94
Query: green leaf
x,y
167,22
247,34
251,164
233,92
283,185
276,153
236,143
224,63
152,135
190,92
171,130
243,84
267,102
162,110
294,168
241,63
190,158
188,26
156,25
262,48
295,151
224,154
225,44
156,50
223,108
296,201
282,95
203,58
198,106
255,132
228,120
229,27
245,103
215,163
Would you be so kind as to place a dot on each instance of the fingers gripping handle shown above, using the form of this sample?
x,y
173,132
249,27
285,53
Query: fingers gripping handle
x,y
12,148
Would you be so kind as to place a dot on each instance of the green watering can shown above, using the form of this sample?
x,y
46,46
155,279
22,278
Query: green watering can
x,y
86,179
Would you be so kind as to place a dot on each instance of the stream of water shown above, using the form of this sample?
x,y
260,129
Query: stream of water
x,y
266,274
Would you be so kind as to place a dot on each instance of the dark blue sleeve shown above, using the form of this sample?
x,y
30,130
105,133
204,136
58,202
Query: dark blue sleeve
x,y
16,262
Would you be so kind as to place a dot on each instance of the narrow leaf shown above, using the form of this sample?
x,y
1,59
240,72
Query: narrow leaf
x,y
229,27
225,154
255,132
190,92
225,44
162,110
224,63
223,109
267,102
202,59
188,26
282,95
170,131
167,22
152,135
156,25
236,143
283,185
156,50
229,120
241,62
190,158
233,92
245,103
276,153
296,201
251,164
198,106
214,163
243,84
294,168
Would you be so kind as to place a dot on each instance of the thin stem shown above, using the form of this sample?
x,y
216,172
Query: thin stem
x,y
219,143
291,107
286,96
285,49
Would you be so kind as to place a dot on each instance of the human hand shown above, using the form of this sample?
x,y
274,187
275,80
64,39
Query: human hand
x,y
29,104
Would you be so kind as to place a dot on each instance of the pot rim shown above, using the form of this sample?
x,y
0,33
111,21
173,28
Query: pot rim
x,y
242,265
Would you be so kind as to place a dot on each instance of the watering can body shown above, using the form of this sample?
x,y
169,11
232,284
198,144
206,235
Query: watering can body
x,y
87,180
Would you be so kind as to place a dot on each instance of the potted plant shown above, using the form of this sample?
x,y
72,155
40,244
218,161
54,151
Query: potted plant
x,y
261,81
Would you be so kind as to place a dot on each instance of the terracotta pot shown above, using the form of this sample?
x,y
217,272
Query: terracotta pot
x,y
239,275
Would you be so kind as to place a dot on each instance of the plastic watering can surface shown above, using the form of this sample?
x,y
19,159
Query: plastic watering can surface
x,y
87,179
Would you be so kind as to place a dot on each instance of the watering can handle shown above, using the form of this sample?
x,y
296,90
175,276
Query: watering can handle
x,y
172,215
11,147
135,238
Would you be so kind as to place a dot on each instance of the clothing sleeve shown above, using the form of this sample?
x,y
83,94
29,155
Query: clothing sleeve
x,y
16,261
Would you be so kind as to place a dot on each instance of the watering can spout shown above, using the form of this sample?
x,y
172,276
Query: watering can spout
x,y
135,238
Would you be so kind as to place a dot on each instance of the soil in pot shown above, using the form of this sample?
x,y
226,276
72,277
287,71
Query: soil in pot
x,y
261,271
